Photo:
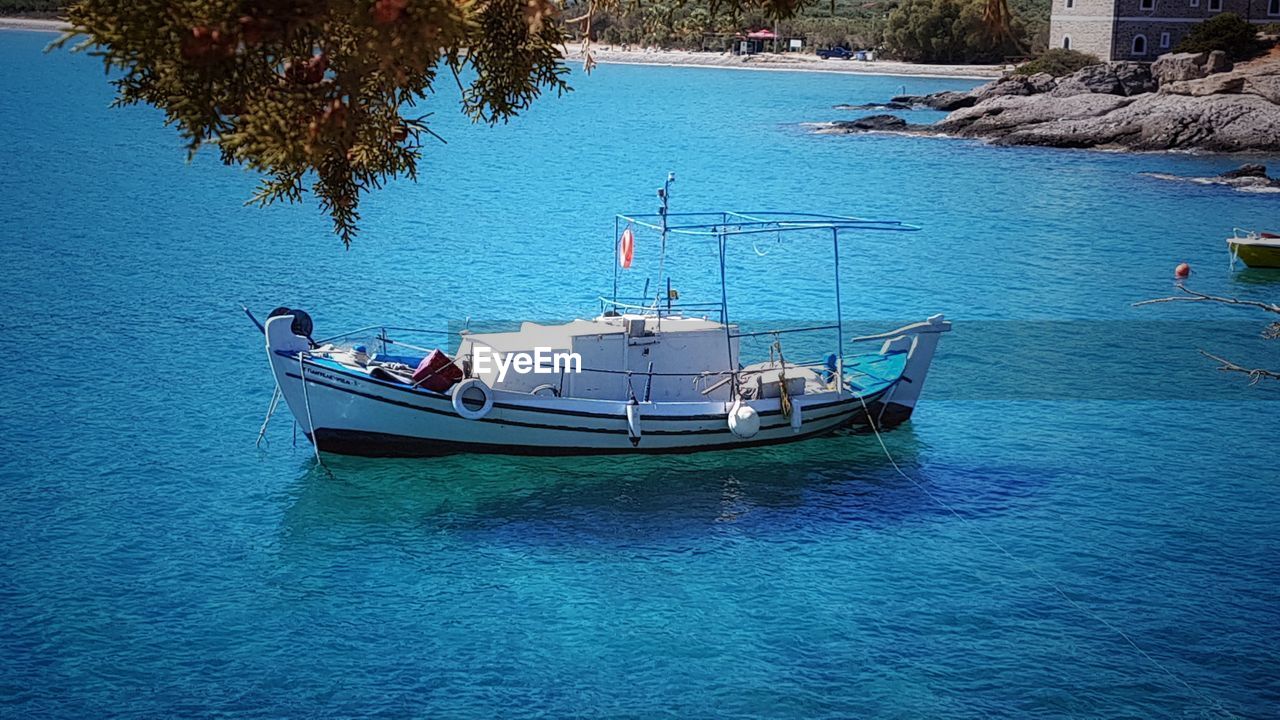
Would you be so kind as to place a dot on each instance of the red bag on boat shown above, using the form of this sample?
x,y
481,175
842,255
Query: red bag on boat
x,y
436,372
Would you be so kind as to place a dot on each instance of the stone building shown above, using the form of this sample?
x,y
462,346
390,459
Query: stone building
x,y
1142,29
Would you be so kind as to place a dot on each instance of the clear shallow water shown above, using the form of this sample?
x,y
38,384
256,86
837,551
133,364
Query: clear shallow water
x,y
154,563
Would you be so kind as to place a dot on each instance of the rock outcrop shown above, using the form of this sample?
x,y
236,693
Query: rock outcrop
x,y
1184,101
1249,178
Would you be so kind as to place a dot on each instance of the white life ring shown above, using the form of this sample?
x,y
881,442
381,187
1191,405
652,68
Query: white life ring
x,y
744,421
472,399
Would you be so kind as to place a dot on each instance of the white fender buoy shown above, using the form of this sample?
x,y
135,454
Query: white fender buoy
x,y
796,412
633,423
744,421
472,399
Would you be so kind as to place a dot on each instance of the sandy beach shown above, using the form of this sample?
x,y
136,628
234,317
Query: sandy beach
x,y
794,62
37,24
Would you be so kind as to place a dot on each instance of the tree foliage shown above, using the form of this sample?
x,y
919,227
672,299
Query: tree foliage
x,y
311,92
946,31
1227,32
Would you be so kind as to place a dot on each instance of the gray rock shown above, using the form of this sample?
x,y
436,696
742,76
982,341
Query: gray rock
x,y
1179,67
871,122
1264,86
1114,107
1217,62
1247,182
1117,79
1134,77
950,100
1254,170
1016,85
1010,114
1212,85
946,101
891,105
1093,79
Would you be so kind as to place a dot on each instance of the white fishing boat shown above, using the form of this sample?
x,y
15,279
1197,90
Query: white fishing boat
x,y
646,376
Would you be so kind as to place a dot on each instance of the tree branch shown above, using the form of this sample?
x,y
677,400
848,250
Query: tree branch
x,y
1255,374
1202,297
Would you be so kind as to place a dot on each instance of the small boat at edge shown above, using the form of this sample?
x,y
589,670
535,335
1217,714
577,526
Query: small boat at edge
x,y
1256,249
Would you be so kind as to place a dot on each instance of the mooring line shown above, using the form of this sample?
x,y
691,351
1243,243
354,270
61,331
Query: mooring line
x,y
315,443
271,410
1208,699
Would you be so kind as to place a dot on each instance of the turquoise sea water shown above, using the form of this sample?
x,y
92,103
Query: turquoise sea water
x,y
153,563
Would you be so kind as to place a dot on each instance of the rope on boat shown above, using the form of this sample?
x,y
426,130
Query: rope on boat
x,y
306,401
784,395
1209,700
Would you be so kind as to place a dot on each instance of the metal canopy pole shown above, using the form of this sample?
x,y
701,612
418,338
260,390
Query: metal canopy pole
x,y
615,260
724,316
835,242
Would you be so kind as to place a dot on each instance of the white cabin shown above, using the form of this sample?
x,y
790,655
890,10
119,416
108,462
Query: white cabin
x,y
665,359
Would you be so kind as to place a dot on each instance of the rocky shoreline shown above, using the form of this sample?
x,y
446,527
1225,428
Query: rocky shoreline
x,y
1187,101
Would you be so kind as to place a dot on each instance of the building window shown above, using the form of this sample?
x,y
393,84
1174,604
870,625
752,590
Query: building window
x,y
1274,8
1139,44
1066,42
1164,40
1071,4
1215,5
1195,3
1148,4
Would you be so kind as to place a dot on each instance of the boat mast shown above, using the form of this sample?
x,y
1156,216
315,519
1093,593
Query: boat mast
x,y
665,194
616,251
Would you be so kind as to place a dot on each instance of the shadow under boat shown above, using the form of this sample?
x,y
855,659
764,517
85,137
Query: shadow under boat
x,y
843,480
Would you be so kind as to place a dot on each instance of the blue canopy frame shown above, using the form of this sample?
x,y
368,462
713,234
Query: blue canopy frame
x,y
724,225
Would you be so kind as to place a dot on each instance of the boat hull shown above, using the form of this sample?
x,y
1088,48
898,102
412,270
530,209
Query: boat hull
x,y
1256,255
349,412
352,415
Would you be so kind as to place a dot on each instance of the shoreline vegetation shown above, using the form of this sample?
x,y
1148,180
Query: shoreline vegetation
x,y
608,55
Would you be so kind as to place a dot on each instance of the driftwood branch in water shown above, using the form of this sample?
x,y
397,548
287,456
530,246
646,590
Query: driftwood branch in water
x,y
1255,374
1271,332
1202,297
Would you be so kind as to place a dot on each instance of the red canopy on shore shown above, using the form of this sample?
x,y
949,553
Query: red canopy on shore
x,y
762,35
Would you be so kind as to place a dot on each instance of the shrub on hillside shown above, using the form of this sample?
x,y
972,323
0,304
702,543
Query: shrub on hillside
x,y
1058,62
1227,32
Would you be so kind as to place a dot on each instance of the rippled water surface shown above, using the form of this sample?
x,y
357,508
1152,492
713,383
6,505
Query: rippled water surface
x,y
154,563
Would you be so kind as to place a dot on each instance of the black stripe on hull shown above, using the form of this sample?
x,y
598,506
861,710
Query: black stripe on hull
x,y
420,393
874,401
371,444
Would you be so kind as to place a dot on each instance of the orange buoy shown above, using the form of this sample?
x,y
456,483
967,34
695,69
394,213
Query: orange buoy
x,y
1182,271
626,248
